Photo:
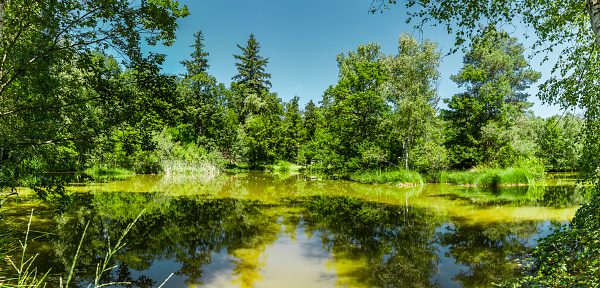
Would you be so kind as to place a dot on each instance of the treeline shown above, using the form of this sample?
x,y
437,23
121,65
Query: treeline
x,y
382,113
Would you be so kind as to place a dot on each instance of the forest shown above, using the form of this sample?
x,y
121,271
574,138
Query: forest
x,y
381,114
77,95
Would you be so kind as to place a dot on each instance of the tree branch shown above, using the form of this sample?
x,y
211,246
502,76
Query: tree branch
x,y
19,109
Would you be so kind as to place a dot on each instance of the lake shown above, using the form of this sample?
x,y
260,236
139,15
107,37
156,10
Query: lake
x,y
282,230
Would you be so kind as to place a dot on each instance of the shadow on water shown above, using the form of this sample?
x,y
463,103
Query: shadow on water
x,y
258,229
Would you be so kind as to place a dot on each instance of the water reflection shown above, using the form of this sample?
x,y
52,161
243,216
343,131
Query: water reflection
x,y
261,230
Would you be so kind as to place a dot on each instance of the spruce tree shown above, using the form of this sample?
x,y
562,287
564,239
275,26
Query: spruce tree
x,y
199,62
251,68
251,84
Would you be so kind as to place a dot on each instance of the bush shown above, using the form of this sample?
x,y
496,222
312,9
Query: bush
x,y
161,155
534,167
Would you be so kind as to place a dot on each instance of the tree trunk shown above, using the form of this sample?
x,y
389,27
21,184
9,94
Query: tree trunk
x,y
593,7
406,154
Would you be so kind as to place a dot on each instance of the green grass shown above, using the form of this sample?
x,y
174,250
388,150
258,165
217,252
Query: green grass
x,y
489,177
107,171
284,166
385,177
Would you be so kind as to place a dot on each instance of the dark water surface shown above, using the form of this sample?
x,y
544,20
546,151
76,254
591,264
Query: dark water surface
x,y
269,230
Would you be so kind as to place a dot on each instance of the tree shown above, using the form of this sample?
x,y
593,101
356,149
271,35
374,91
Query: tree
x,y
204,101
412,89
292,126
560,142
51,74
355,114
574,84
54,88
262,139
552,22
495,74
311,120
199,62
365,53
252,82
312,130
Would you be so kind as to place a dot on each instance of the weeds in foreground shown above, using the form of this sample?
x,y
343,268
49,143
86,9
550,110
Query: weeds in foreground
x,y
27,274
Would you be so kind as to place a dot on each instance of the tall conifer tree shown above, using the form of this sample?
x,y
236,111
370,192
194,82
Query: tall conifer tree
x,y
251,84
199,62
251,68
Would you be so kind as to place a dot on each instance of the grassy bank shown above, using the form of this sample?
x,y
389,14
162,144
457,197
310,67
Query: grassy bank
x,y
387,177
483,177
488,177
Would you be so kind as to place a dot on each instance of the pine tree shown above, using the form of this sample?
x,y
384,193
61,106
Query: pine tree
x,y
199,62
495,74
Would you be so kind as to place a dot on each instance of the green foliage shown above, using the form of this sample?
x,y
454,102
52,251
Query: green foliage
x,y
262,139
159,153
355,112
489,177
534,167
292,130
51,187
561,142
429,155
495,73
251,86
412,90
54,87
199,62
569,256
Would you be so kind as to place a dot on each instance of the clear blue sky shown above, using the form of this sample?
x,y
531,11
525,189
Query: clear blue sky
x,y
302,38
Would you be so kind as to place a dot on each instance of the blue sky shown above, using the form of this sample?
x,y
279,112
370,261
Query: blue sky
x,y
302,38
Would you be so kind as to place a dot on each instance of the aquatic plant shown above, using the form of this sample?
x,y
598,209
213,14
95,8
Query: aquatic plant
x,y
488,177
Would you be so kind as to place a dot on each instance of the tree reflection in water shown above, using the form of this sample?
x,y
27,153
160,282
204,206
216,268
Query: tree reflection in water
x,y
370,244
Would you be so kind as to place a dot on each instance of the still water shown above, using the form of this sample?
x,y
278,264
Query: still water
x,y
270,230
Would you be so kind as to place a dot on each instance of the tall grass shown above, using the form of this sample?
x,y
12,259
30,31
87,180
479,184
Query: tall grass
x,y
490,177
26,275
385,177
173,166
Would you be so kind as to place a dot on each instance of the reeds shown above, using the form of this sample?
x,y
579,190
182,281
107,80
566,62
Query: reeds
x,y
188,167
488,177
